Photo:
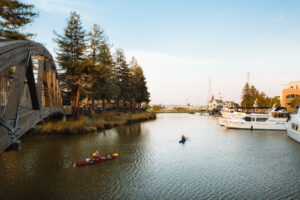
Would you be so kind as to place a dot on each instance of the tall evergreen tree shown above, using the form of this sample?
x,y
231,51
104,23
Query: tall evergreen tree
x,y
246,97
14,15
139,87
104,81
123,77
253,95
71,58
96,38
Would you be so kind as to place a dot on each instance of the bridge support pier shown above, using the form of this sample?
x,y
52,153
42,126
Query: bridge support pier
x,y
15,144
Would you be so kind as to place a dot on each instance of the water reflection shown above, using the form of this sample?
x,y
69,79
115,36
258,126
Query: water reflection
x,y
215,163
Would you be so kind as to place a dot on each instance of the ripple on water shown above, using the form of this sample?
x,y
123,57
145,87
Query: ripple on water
x,y
215,164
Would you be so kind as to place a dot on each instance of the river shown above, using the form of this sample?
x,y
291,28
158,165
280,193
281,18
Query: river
x,y
214,163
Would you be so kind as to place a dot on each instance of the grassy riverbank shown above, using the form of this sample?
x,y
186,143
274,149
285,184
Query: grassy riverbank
x,y
96,122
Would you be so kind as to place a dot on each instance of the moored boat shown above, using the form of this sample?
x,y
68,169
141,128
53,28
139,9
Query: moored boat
x,y
274,120
91,161
293,126
230,115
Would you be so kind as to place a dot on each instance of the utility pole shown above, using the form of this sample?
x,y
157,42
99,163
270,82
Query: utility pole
x,y
209,90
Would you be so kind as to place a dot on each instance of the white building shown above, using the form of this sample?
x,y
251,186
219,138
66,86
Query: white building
x,y
215,104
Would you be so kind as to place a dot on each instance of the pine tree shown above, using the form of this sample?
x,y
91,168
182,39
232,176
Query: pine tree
x,y
139,87
253,95
71,58
104,82
14,15
96,38
262,100
123,76
246,97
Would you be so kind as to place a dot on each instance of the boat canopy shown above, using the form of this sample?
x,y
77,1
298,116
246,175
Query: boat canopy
x,y
280,108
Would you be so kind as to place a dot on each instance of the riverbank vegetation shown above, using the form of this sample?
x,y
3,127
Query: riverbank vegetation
x,y
93,123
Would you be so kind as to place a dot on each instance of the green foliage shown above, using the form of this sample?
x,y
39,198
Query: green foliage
x,y
139,88
14,15
87,113
246,97
156,108
275,101
252,96
295,102
123,76
90,70
71,58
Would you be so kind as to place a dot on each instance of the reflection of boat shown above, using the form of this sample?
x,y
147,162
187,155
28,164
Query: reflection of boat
x,y
293,126
89,161
205,114
274,120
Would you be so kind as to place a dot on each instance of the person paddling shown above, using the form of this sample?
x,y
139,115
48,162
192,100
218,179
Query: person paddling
x,y
96,155
183,137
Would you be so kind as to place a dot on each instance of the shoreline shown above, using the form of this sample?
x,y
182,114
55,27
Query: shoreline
x,y
94,123
191,112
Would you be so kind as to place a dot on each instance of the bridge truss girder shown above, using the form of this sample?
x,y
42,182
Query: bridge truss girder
x,y
45,96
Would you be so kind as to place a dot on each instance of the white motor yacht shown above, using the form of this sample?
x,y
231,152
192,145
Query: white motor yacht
x,y
230,114
274,120
293,126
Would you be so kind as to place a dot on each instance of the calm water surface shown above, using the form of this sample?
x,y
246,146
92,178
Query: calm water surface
x,y
214,164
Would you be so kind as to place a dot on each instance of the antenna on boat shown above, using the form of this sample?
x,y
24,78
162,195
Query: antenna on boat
x,y
209,90
248,77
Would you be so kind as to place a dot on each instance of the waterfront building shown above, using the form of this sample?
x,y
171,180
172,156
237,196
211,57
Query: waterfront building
x,y
230,105
215,104
289,92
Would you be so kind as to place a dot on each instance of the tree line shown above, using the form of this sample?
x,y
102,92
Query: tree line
x,y
251,96
89,69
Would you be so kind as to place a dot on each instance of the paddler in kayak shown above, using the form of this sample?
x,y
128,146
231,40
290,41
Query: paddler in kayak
x,y
96,155
183,138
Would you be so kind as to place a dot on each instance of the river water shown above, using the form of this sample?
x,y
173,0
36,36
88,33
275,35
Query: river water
x,y
215,163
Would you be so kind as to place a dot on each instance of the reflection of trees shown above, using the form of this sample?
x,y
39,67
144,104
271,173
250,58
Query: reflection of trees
x,y
130,132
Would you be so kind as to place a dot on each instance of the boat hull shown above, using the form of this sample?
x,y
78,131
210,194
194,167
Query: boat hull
x,y
295,135
221,121
279,126
182,141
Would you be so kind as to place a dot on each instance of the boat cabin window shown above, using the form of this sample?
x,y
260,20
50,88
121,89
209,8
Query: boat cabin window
x,y
249,119
261,119
295,126
280,115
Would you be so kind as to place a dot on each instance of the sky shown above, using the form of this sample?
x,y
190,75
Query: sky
x,y
180,44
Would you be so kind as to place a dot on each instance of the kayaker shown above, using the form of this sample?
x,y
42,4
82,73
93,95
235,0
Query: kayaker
x,y
183,137
96,155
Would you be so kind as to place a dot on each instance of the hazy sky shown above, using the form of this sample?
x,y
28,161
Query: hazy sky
x,y
181,43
